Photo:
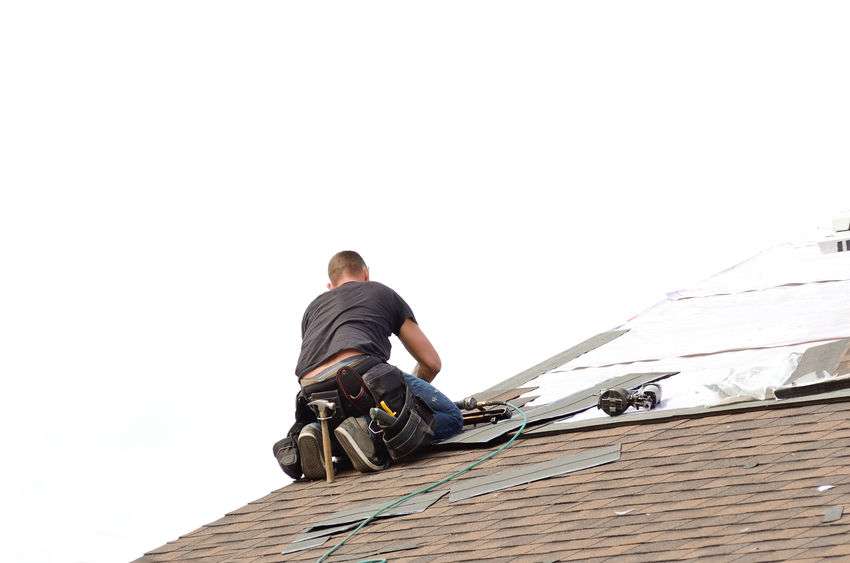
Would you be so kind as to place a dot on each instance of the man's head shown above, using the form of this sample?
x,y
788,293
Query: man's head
x,y
346,266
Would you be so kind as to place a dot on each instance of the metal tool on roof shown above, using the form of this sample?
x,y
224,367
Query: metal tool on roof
x,y
617,400
325,411
562,408
479,412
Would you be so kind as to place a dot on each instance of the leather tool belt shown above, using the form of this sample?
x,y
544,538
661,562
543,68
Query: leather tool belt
x,y
344,387
369,382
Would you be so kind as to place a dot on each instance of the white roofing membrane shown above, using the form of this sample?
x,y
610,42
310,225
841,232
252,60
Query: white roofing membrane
x,y
736,336
770,317
780,265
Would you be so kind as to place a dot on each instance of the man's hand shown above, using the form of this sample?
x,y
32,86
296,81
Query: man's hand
x,y
420,348
423,372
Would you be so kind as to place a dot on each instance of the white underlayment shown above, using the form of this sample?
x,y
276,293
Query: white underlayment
x,y
780,265
769,317
747,341
702,381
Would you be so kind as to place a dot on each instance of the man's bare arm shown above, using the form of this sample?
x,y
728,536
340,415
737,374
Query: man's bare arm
x,y
428,361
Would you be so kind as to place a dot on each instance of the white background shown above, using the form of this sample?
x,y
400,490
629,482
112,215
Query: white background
x,y
175,176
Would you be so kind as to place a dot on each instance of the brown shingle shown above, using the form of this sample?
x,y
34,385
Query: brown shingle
x,y
686,483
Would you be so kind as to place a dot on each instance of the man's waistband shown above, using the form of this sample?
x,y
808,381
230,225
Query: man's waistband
x,y
330,371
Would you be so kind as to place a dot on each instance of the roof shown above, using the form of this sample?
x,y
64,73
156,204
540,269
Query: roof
x,y
743,484
737,336
721,470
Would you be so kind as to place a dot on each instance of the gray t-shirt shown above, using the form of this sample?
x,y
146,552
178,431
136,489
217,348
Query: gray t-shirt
x,y
357,315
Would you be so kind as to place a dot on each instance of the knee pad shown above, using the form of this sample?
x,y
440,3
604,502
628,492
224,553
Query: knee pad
x,y
286,452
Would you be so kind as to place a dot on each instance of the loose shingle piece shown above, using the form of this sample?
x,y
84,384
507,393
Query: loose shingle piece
x,y
820,387
324,532
475,486
363,511
832,514
350,518
295,547
822,358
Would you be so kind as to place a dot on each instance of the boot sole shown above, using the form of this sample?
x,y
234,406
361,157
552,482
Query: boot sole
x,y
312,464
358,458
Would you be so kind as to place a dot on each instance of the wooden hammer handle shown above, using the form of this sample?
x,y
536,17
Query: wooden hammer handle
x,y
326,445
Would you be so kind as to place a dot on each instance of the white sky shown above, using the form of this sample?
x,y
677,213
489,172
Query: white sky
x,y
175,176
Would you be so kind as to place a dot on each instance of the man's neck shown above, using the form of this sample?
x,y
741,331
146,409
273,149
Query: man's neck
x,y
346,280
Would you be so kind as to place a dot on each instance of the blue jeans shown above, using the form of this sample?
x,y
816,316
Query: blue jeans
x,y
448,420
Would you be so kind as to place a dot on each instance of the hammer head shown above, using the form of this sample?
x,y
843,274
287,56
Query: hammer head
x,y
322,404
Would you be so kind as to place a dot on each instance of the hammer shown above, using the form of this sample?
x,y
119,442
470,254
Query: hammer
x,y
325,409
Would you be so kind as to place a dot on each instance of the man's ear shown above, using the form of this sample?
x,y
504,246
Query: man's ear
x,y
330,286
367,274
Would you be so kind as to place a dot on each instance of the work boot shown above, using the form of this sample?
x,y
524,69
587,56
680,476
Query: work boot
x,y
310,451
354,437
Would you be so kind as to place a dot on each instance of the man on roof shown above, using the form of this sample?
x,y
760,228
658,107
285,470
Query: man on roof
x,y
344,353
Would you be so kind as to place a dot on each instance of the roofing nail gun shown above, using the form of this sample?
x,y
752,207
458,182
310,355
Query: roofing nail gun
x,y
617,400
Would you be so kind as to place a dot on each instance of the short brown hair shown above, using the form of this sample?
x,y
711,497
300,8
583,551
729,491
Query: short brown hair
x,y
345,261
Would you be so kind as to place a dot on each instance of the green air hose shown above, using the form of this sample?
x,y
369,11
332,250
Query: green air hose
x,y
427,488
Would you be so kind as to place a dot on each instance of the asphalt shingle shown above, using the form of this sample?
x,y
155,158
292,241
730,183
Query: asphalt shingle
x,y
676,493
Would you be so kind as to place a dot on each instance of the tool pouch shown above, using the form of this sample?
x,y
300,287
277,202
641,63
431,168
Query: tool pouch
x,y
286,452
303,413
413,426
349,380
338,414
412,430
385,383
327,391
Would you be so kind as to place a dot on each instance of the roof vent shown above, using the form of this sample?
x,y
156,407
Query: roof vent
x,y
838,241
